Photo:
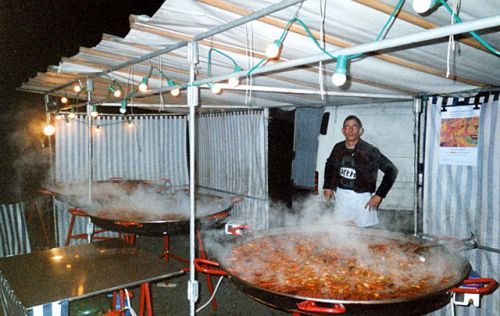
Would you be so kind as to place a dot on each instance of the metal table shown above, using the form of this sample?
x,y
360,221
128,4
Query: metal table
x,y
75,272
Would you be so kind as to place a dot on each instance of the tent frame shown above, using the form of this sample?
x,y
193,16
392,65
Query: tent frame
x,y
194,89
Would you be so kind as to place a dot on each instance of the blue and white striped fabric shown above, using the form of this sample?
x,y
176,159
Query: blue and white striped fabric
x,y
462,199
9,303
154,148
14,239
232,157
54,309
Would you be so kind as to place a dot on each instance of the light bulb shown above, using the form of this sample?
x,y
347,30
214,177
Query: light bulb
x,y
97,129
175,92
77,88
143,86
49,130
64,100
273,49
215,88
130,124
59,117
123,106
71,115
94,113
117,93
422,6
233,82
339,78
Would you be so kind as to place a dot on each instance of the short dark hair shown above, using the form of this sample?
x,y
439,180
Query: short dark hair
x,y
353,117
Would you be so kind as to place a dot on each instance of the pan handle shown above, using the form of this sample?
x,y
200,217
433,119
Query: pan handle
x,y
47,192
491,286
310,306
237,230
198,265
129,224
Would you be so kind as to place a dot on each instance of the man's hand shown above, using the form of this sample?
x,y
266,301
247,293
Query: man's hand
x,y
373,203
328,194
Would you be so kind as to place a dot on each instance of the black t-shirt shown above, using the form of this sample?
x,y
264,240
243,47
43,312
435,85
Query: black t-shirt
x,y
347,171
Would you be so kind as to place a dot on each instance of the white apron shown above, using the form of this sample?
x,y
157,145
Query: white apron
x,y
350,207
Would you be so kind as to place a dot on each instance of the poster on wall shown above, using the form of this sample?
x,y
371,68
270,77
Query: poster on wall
x,y
459,136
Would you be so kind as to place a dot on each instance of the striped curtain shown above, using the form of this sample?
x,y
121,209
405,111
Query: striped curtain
x,y
14,238
459,200
231,157
9,303
153,148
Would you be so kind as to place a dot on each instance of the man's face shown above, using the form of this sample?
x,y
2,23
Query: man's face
x,y
351,130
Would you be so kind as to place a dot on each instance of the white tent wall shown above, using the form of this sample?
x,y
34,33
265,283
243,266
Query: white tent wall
x,y
153,149
231,158
388,126
459,200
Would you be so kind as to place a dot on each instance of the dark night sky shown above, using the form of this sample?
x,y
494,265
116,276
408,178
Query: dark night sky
x,y
33,35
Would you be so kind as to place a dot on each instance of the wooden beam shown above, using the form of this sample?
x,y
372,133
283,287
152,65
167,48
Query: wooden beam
x,y
337,42
416,20
236,50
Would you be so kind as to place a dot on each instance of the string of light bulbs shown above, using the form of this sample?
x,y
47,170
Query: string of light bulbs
x,y
424,6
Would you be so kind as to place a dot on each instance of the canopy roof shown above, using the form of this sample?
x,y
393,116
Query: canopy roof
x,y
401,70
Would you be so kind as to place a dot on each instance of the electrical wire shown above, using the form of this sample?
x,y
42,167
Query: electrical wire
x,y
322,9
472,33
380,35
451,39
213,295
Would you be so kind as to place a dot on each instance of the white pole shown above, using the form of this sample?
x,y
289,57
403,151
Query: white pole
x,y
444,31
192,102
417,109
90,154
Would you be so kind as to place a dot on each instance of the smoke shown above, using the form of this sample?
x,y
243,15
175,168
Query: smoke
x,y
308,251
138,201
24,154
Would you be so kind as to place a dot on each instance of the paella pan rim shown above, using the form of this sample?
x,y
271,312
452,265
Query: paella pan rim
x,y
464,268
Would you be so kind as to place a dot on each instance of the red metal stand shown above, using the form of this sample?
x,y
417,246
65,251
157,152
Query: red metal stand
x,y
78,212
203,255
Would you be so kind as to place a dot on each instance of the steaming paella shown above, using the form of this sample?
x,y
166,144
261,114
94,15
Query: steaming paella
x,y
321,266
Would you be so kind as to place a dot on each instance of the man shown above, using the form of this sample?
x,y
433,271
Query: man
x,y
351,177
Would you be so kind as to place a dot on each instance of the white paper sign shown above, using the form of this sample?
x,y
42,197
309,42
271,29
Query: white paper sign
x,y
459,135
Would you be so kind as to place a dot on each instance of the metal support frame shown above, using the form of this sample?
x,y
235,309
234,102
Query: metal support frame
x,y
417,109
192,102
90,153
214,31
423,36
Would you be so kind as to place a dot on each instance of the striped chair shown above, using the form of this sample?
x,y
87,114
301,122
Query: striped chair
x,y
14,239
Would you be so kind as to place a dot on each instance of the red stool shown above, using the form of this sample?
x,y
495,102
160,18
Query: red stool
x,y
78,212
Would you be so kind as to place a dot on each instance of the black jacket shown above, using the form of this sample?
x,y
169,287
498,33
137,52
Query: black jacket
x,y
368,160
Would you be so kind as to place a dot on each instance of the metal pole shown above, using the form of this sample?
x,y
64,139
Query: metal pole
x,y
423,36
52,177
266,170
216,30
192,102
90,154
51,163
241,87
416,142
